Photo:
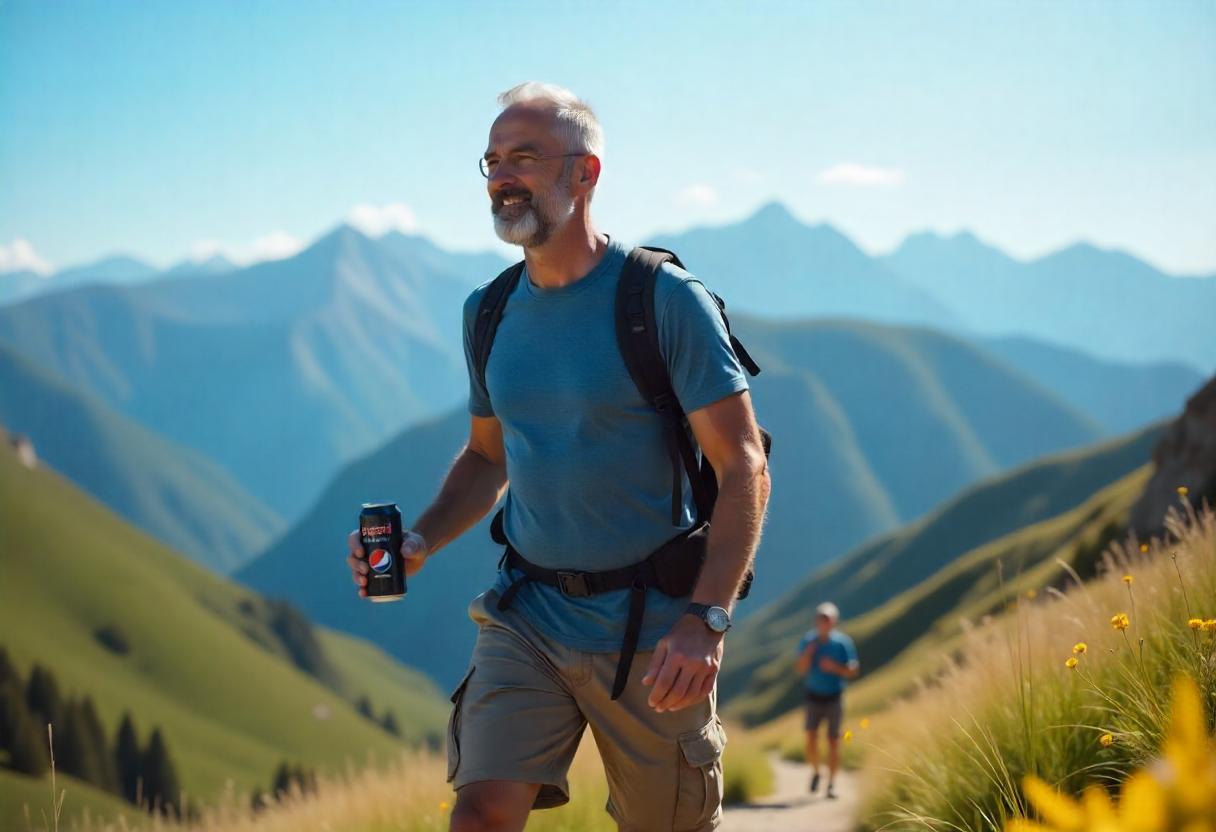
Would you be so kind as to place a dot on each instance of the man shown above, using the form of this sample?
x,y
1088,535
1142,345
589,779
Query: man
x,y
559,419
826,658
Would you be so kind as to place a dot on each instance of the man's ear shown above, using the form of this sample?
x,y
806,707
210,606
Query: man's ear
x,y
591,169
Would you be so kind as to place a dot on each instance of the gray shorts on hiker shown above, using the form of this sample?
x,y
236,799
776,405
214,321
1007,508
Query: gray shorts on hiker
x,y
525,701
820,709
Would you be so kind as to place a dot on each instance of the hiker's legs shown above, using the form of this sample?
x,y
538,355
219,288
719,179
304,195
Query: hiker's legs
x,y
833,758
812,749
515,725
664,770
493,806
835,716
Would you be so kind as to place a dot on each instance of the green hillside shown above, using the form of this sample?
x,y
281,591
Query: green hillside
x,y
18,791
204,664
171,492
897,588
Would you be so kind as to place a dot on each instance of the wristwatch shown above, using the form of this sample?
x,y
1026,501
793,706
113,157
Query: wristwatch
x,y
715,618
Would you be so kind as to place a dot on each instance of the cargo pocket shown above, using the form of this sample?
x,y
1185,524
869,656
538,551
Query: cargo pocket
x,y
700,794
457,699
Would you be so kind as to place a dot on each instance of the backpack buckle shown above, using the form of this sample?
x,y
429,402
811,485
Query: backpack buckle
x,y
573,584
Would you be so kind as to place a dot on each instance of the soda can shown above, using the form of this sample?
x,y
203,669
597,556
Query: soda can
x,y
380,532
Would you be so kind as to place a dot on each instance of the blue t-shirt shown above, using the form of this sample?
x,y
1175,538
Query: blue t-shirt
x,y
838,647
590,478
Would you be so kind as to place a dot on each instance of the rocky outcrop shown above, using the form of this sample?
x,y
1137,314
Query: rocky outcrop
x,y
1185,458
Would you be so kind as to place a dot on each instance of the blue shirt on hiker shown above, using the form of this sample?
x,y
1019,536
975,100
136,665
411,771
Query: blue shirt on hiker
x,y
590,478
838,647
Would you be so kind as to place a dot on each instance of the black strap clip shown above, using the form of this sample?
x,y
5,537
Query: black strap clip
x,y
573,584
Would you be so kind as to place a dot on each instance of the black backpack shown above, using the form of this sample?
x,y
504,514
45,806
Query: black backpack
x,y
638,340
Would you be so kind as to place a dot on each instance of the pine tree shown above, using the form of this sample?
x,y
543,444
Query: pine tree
x,y
75,752
8,672
364,706
162,789
127,758
390,723
19,732
103,762
280,787
42,696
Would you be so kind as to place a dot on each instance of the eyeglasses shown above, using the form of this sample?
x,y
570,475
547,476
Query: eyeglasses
x,y
518,161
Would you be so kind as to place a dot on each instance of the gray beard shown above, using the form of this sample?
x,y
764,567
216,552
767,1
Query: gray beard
x,y
545,215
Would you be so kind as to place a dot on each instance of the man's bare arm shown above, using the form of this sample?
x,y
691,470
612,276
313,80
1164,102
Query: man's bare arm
x,y
686,661
474,483
803,664
846,671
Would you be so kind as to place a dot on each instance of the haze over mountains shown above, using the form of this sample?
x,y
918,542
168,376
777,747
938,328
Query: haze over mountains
x,y
279,372
173,493
283,371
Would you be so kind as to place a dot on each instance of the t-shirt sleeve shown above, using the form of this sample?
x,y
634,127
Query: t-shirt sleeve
x,y
694,342
479,397
802,643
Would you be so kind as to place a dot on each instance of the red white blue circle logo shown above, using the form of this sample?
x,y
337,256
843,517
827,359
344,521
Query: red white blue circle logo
x,y
381,560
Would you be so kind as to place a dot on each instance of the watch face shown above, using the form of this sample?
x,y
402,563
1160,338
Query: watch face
x,y
718,619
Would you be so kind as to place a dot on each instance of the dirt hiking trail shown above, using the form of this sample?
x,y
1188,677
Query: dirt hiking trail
x,y
791,808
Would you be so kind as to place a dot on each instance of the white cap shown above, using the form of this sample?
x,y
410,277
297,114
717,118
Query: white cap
x,y
828,609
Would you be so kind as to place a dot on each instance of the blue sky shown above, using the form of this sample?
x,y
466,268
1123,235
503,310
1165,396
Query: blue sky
x,y
162,128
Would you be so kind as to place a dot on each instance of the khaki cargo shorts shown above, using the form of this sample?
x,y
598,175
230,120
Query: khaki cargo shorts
x,y
525,701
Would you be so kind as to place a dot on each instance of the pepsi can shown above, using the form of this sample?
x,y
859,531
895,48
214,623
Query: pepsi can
x,y
380,532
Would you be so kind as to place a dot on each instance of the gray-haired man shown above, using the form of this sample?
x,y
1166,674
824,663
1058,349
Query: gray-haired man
x,y
558,416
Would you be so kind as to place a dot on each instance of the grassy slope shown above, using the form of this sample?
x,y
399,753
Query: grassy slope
x,y
945,563
230,708
169,491
18,791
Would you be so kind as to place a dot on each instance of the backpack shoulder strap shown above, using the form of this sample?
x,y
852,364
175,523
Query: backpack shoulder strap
x,y
489,313
638,339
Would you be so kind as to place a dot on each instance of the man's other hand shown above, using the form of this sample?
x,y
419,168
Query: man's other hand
x,y
684,666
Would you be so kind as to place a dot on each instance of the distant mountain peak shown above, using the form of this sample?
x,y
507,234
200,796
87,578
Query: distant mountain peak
x,y
773,211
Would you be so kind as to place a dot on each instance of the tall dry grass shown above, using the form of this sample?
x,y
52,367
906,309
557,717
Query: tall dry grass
x,y
954,756
411,795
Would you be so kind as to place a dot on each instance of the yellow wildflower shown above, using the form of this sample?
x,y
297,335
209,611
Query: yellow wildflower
x,y
1177,793
1183,491
1195,623
1030,594
1107,740
865,723
1071,663
1127,579
1209,625
848,736
1120,621
444,805
1143,547
1080,647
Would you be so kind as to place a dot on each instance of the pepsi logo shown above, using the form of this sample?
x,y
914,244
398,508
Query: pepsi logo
x,y
381,560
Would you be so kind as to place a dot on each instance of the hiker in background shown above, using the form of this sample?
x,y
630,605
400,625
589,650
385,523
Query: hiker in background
x,y
613,595
826,659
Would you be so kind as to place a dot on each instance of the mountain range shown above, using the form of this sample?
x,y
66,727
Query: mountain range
x,y
278,372
283,371
173,493
1105,302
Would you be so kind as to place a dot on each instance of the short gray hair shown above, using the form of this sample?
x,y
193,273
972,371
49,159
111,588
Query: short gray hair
x,y
576,122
